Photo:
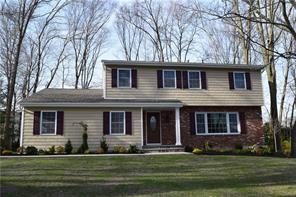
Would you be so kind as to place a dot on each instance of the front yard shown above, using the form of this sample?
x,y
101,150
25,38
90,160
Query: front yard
x,y
165,175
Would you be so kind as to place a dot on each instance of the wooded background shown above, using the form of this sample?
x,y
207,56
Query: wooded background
x,y
59,43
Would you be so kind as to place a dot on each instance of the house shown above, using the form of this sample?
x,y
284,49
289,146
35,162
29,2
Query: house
x,y
152,104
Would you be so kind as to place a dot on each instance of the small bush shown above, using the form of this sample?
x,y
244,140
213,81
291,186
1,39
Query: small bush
x,y
100,151
87,151
7,152
59,150
286,147
133,149
119,149
238,146
51,150
103,144
68,147
197,151
208,147
31,150
20,150
188,149
41,152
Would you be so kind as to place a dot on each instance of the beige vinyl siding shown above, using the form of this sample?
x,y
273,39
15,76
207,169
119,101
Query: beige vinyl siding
x,y
217,93
93,118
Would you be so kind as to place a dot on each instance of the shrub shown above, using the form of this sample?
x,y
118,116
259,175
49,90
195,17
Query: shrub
x,y
68,147
51,150
208,146
103,144
84,146
286,147
197,151
41,152
188,149
238,146
31,150
7,152
100,151
133,149
119,149
20,150
59,149
87,151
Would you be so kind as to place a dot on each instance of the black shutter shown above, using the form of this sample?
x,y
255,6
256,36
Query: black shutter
x,y
60,123
159,79
114,77
248,80
203,80
179,79
134,78
106,123
231,82
242,120
36,127
185,79
192,123
128,123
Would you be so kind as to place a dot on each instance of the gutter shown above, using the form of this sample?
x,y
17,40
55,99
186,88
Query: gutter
x,y
102,104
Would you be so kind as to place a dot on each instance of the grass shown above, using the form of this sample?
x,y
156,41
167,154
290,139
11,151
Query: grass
x,y
166,175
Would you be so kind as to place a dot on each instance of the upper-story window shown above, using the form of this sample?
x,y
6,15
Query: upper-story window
x,y
194,80
124,78
169,79
239,80
48,123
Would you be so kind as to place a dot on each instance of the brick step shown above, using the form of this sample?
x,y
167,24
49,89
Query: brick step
x,y
164,148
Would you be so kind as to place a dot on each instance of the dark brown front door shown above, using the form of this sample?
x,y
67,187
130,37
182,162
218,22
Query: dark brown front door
x,y
153,128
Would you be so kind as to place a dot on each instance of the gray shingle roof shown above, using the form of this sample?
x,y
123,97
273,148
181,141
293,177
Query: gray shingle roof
x,y
82,96
181,64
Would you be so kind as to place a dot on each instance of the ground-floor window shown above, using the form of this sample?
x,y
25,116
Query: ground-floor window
x,y
213,123
117,122
48,122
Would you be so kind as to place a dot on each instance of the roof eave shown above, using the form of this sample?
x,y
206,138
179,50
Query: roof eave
x,y
182,64
104,104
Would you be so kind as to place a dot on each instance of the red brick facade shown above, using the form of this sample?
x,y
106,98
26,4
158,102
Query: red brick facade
x,y
253,133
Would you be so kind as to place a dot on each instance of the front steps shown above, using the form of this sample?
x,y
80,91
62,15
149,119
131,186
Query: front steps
x,y
162,148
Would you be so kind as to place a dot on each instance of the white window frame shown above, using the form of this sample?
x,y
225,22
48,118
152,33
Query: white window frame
x,y
163,83
245,81
192,71
130,71
227,122
56,120
110,122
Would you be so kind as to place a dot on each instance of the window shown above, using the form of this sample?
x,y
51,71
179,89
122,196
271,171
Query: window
x,y
239,80
194,79
215,123
117,122
124,78
48,123
169,79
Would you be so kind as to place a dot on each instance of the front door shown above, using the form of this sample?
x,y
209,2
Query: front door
x,y
153,128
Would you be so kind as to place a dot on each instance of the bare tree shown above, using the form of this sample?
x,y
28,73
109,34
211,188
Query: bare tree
x,y
130,36
15,16
86,25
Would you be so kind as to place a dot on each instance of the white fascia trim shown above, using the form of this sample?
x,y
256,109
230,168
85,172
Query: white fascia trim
x,y
22,127
104,81
102,105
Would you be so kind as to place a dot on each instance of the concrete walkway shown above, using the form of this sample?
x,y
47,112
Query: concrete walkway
x,y
94,155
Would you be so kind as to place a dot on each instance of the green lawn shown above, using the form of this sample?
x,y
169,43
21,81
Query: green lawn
x,y
166,175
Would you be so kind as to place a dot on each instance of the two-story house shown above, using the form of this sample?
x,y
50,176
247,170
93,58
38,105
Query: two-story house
x,y
152,104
